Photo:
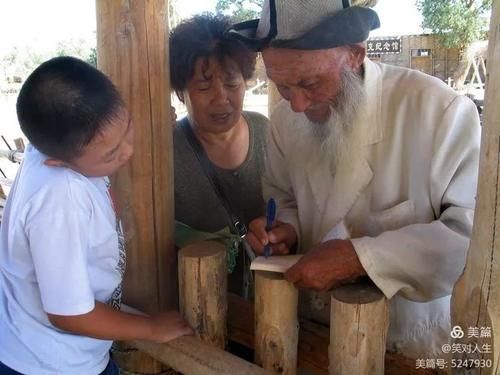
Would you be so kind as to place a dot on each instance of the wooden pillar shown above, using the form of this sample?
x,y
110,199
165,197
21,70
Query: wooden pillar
x,y
132,42
476,296
358,330
276,323
132,49
203,290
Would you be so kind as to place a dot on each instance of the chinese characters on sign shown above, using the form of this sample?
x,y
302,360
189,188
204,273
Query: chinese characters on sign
x,y
384,46
481,333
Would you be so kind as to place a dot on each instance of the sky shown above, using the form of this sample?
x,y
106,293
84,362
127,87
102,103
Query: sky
x,y
44,23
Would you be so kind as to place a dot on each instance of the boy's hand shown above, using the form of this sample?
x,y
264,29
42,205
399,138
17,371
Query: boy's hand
x,y
105,322
167,326
281,238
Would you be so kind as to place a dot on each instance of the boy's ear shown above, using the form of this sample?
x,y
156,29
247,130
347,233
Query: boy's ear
x,y
52,162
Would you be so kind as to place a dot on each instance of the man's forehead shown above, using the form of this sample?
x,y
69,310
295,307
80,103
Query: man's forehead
x,y
296,65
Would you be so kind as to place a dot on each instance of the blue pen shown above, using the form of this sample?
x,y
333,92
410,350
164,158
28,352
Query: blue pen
x,y
270,216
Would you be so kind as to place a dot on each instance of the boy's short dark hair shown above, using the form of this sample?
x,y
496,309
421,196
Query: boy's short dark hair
x,y
63,104
204,36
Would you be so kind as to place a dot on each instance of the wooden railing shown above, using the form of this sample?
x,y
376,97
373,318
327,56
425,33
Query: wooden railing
x,y
354,343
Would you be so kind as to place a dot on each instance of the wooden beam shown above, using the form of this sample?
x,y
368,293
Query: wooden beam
x,y
476,296
313,342
132,42
191,356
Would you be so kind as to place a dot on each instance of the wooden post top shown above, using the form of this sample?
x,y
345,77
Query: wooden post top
x,y
202,249
358,293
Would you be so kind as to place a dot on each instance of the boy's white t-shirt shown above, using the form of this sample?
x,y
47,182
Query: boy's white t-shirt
x,y
59,253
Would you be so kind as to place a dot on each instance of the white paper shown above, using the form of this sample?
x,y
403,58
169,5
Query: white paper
x,y
274,263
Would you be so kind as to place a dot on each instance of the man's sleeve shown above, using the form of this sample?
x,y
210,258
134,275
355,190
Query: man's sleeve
x,y
57,227
423,261
276,182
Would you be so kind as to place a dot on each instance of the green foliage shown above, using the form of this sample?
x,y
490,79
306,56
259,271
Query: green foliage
x,y
92,57
240,10
21,61
456,22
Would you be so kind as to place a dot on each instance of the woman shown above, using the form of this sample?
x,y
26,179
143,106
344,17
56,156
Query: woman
x,y
208,72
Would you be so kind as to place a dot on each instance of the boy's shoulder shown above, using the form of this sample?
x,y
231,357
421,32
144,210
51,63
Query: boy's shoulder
x,y
42,175
45,186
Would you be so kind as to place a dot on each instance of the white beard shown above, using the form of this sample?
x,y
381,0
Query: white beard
x,y
337,143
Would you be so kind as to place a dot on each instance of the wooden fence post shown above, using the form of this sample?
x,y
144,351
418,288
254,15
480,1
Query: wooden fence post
x,y
203,290
358,330
276,323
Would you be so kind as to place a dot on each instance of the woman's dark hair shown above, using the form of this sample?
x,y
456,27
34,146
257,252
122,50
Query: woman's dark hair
x,y
63,104
203,36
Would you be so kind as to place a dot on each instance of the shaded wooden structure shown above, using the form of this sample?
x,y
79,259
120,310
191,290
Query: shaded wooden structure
x,y
133,51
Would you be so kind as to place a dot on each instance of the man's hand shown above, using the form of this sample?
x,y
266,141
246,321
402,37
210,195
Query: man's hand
x,y
281,238
326,266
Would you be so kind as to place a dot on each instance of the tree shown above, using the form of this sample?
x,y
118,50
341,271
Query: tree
x,y
92,57
457,22
9,61
239,10
173,15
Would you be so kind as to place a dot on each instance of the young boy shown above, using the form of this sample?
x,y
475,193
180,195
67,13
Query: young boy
x,y
61,262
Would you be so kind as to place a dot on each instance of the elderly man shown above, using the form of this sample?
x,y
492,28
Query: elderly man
x,y
374,168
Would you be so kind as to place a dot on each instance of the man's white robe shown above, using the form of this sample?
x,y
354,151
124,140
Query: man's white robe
x,y
408,198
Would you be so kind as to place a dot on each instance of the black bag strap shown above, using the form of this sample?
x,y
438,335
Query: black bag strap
x,y
236,225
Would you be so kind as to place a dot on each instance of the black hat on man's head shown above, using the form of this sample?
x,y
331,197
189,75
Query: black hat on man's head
x,y
307,24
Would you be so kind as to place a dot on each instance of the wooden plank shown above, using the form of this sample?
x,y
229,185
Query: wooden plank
x,y
132,40
134,361
191,356
313,342
476,296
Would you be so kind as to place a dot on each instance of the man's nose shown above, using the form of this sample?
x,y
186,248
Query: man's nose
x,y
299,101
